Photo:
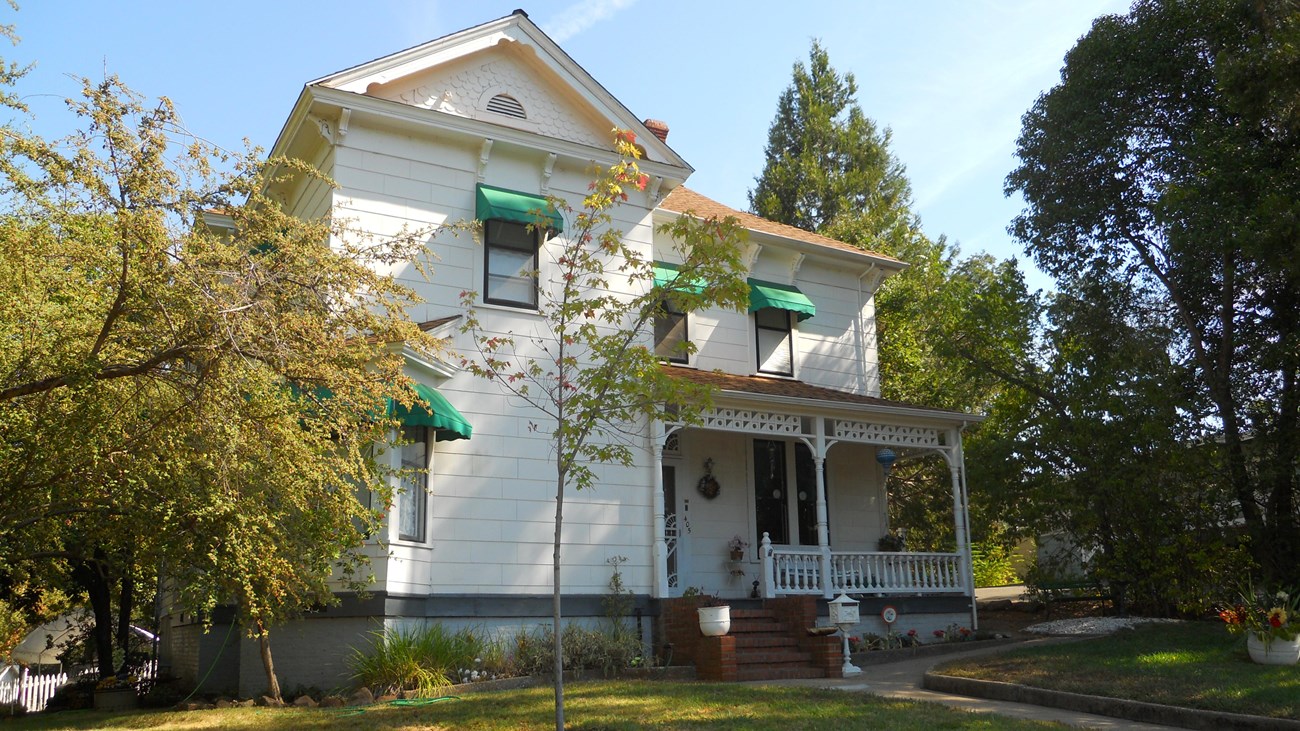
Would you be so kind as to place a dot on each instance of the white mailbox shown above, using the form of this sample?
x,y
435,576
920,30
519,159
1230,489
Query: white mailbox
x,y
843,610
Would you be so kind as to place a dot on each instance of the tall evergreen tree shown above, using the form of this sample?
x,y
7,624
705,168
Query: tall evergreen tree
x,y
829,165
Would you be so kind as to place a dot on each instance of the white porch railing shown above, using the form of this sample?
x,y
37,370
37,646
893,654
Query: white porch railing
x,y
791,570
32,691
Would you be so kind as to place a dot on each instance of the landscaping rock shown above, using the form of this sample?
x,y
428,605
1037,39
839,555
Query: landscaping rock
x,y
332,701
362,697
305,701
270,702
224,703
249,703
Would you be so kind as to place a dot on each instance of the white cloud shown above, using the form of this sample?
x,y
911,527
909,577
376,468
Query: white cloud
x,y
580,16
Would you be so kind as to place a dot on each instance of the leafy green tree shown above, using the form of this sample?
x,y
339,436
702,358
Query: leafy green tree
x,y
588,371
168,330
1166,160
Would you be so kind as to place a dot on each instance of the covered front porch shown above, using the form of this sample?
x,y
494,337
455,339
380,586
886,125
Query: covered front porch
x,y
797,474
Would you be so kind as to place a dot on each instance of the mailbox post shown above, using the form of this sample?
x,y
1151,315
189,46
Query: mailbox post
x,y
844,614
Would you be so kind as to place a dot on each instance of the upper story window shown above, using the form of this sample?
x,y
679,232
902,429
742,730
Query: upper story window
x,y
511,264
671,333
413,501
775,340
513,226
775,307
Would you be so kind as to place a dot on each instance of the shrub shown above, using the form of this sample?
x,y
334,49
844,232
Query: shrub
x,y
606,650
991,564
421,659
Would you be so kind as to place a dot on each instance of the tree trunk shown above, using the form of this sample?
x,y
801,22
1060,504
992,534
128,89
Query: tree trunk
x,y
558,645
125,605
264,644
90,574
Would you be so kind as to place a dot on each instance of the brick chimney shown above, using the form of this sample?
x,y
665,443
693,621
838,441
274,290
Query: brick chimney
x,y
658,128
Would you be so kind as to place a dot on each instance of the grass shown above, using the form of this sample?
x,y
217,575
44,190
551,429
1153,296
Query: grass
x,y
589,706
1189,664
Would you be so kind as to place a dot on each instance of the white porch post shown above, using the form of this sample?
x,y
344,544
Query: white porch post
x,y
961,524
968,564
823,528
659,552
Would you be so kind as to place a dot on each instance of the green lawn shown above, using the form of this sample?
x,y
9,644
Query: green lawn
x,y
1190,664
590,706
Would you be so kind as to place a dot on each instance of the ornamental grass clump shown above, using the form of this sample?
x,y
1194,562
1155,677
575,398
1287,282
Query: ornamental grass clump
x,y
1265,616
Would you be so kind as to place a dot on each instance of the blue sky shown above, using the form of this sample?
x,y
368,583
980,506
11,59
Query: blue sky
x,y
950,78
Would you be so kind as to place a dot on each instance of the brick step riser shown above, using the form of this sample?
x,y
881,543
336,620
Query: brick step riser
x,y
773,658
756,627
755,642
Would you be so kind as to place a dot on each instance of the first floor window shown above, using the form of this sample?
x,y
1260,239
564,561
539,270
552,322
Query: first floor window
x,y
670,332
511,271
775,340
413,501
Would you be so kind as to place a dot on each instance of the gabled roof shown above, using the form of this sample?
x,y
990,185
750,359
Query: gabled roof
x,y
683,199
528,45
787,388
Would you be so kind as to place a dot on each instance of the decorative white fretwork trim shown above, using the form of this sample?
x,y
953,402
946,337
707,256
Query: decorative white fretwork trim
x,y
904,436
761,422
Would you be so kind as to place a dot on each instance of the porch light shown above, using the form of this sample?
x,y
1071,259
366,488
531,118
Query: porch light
x,y
885,456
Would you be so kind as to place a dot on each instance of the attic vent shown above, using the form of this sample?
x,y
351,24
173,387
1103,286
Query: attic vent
x,y
507,105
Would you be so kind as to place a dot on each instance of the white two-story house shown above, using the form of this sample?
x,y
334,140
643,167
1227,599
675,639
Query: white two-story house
x,y
484,124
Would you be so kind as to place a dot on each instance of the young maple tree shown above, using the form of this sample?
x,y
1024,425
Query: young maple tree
x,y
587,370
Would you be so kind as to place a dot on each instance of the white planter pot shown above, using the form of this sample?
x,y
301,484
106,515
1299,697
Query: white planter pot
x,y
1277,652
714,621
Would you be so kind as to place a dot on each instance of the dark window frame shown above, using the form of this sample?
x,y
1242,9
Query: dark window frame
x,y
667,316
494,226
788,332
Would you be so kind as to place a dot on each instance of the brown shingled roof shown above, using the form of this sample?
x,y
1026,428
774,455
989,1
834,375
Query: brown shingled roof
x,y
764,386
683,199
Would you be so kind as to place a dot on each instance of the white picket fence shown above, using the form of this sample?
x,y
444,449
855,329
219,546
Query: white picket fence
x,y
32,691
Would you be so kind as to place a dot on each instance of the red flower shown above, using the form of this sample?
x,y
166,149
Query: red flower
x,y
939,633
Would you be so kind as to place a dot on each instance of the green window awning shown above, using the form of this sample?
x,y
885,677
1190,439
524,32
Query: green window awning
x,y
666,273
432,410
511,205
780,296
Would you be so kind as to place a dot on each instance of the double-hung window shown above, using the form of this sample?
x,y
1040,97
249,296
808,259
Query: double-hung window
x,y
671,332
413,500
511,270
775,341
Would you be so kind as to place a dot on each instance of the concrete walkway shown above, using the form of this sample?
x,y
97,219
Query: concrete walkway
x,y
903,680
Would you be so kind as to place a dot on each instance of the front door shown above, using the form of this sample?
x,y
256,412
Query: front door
x,y
779,511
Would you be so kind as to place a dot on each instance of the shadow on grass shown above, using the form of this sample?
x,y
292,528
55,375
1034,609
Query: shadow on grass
x,y
589,706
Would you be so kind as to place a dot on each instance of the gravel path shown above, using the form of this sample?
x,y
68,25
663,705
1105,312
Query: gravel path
x,y
1089,625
